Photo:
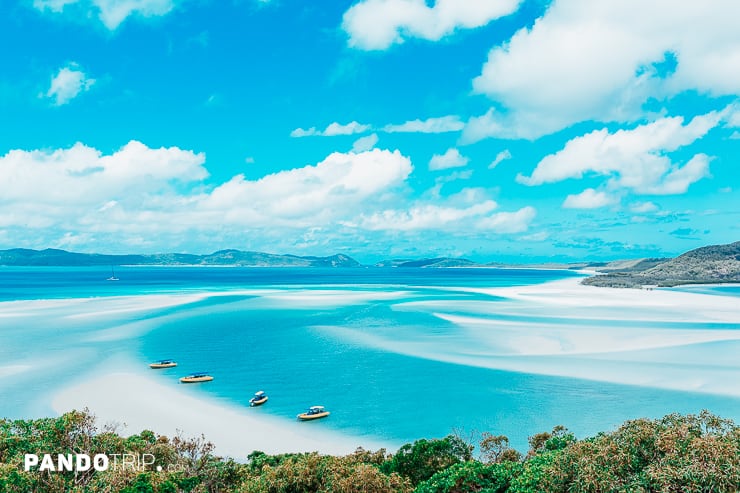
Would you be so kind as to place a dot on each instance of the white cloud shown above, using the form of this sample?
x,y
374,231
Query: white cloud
x,y
83,177
454,176
67,84
110,12
541,236
586,60
643,207
53,5
509,222
305,132
114,12
450,123
450,159
588,199
733,119
378,24
138,191
147,199
348,129
332,129
365,143
501,156
424,217
314,194
634,159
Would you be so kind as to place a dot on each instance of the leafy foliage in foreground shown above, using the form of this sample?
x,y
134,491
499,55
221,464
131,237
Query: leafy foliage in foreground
x,y
673,454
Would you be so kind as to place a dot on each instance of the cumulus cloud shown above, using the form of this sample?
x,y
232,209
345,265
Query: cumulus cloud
x,y
733,118
586,60
467,212
424,216
137,190
82,176
589,199
150,199
450,123
110,12
378,24
450,159
305,132
643,207
365,143
302,196
53,5
332,129
633,159
500,157
509,222
67,84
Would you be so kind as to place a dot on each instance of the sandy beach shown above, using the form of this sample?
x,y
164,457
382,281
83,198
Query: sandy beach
x,y
136,402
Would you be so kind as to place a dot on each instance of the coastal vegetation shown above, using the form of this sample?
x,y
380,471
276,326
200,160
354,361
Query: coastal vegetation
x,y
706,265
686,453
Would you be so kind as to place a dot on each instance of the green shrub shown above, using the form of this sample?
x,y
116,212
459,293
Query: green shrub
x,y
472,476
422,459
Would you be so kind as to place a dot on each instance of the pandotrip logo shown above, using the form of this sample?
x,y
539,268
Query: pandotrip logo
x,y
86,462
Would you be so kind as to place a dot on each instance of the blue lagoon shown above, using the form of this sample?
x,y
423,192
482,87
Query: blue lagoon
x,y
395,354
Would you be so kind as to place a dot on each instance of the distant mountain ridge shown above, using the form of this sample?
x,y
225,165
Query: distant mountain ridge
x,y
230,257
706,265
53,257
430,263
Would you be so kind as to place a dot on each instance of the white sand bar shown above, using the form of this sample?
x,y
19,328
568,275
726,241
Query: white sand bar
x,y
140,403
659,338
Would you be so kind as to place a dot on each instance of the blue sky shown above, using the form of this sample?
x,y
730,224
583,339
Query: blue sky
x,y
496,130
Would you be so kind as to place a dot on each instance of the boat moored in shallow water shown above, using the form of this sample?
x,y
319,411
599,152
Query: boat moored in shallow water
x,y
197,377
163,363
258,399
314,412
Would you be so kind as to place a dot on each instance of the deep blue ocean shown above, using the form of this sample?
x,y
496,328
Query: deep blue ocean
x,y
364,342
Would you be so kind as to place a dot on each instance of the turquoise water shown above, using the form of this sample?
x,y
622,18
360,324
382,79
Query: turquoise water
x,y
380,348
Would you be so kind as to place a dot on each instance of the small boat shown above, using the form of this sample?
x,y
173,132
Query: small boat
x,y
163,363
197,377
314,412
112,275
258,399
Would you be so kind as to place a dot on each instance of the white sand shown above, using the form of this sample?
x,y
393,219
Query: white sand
x,y
623,336
9,370
677,306
140,403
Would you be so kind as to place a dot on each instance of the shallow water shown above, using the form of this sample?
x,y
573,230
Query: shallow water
x,y
395,354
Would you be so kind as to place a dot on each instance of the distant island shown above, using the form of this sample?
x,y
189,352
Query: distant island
x,y
50,257
705,265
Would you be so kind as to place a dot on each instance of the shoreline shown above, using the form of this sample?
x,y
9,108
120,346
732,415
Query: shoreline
x,y
137,402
